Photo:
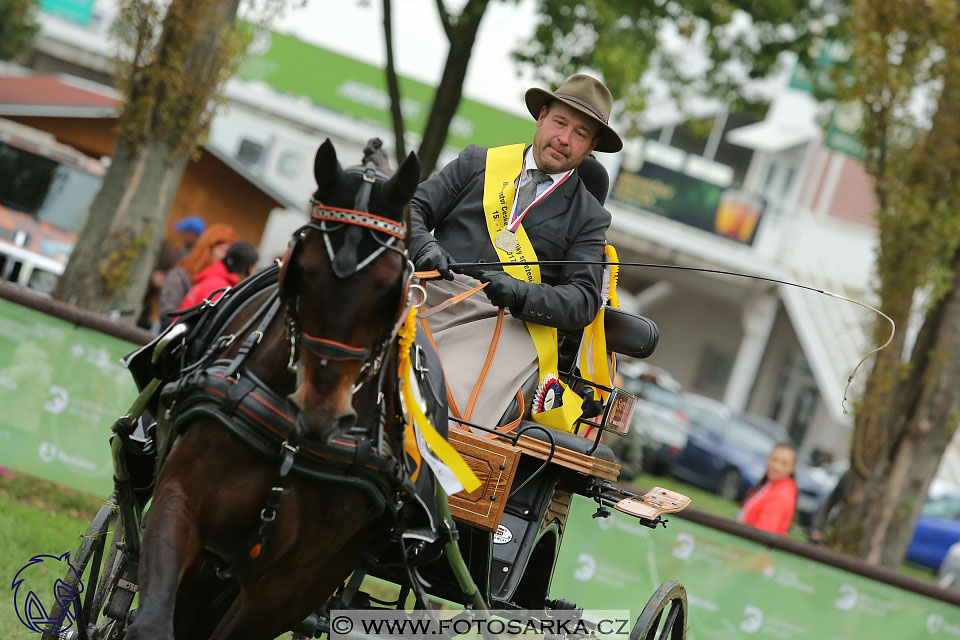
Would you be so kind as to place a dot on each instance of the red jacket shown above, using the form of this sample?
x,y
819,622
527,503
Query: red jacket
x,y
207,281
771,507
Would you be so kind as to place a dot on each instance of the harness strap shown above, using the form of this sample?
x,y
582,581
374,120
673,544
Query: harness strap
x,y
451,402
235,395
333,350
255,336
269,512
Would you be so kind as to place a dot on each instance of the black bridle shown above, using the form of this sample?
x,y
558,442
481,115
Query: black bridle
x,y
345,262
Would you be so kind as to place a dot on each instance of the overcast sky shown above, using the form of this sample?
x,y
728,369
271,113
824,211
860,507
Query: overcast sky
x,y
420,46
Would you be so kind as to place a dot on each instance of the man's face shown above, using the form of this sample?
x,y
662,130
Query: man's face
x,y
565,136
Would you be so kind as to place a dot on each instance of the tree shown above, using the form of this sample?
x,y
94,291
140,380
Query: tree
x,y
176,61
905,53
621,39
17,27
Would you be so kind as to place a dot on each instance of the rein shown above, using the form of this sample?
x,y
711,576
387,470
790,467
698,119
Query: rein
x,y
461,266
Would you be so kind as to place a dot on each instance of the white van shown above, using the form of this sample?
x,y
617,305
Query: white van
x,y
46,189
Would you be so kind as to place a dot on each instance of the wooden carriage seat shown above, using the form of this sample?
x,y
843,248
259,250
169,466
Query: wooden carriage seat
x,y
494,460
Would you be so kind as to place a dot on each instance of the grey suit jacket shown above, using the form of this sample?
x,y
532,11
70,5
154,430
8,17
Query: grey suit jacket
x,y
568,224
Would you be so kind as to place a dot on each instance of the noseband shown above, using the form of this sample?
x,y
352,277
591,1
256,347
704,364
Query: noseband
x,y
345,262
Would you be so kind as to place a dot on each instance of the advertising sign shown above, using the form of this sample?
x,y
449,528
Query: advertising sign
x,y
737,589
77,11
61,387
360,90
728,212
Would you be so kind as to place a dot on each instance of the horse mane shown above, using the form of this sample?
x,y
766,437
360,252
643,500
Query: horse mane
x,y
374,153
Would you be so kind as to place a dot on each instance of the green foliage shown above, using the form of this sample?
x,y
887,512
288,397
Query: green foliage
x,y
905,53
623,40
178,56
17,27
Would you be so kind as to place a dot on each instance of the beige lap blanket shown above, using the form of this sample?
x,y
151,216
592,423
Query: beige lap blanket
x,y
463,333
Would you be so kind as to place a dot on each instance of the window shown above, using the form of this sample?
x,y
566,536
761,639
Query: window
x,y
713,372
51,192
249,152
289,163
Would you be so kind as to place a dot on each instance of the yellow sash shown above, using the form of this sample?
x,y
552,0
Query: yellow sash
x,y
499,189
593,360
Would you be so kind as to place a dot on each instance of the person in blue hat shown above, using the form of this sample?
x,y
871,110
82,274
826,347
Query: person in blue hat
x,y
189,229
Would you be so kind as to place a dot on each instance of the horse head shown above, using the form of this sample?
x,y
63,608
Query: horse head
x,y
344,283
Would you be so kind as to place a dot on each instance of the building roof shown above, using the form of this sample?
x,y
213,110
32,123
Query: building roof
x,y
50,95
61,96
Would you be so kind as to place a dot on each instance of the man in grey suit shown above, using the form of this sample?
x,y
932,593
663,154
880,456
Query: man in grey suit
x,y
560,218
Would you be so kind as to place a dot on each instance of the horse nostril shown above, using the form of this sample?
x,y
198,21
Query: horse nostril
x,y
346,421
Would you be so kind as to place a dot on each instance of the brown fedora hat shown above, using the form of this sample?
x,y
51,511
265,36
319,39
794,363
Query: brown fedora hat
x,y
586,94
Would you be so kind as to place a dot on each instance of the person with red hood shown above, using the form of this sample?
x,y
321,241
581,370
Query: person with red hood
x,y
770,505
239,262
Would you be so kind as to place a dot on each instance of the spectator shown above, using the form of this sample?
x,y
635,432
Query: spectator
x,y
189,229
770,504
149,316
239,262
211,247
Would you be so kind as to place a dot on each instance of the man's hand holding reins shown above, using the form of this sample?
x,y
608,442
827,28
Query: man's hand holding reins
x,y
434,257
503,289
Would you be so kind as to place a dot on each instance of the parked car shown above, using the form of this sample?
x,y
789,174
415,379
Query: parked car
x,y
658,417
938,528
727,453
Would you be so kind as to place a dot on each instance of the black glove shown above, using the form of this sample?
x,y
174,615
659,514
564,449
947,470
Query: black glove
x,y
432,256
504,290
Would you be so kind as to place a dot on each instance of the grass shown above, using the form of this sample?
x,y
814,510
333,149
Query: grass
x,y
36,517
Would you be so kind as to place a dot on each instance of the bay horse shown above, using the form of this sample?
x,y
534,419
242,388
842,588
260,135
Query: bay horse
x,y
280,466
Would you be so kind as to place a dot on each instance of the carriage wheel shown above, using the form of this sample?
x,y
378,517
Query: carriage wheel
x,y
98,561
665,616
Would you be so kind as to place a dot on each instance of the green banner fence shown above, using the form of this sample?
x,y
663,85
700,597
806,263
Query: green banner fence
x,y
61,387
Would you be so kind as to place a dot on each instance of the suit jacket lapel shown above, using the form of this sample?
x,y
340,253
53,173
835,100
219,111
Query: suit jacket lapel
x,y
555,204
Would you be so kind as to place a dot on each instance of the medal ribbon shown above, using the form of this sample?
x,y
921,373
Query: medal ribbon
x,y
515,217
499,191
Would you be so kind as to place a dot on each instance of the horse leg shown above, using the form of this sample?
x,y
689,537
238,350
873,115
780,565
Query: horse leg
x,y
202,600
171,543
188,509
309,567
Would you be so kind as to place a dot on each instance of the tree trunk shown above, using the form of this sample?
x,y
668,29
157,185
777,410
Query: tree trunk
x,y
110,266
883,504
461,35
170,92
393,87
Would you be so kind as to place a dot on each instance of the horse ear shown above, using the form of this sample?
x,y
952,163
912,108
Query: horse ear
x,y
401,186
326,168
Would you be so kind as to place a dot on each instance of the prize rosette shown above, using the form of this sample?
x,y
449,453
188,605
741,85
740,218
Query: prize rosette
x,y
549,394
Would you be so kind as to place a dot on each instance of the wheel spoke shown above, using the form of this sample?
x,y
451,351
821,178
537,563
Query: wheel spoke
x,y
670,622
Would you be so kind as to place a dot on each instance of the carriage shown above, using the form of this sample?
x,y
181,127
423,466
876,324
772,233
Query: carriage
x,y
259,524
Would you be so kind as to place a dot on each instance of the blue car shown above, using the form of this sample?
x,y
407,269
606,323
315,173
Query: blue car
x,y
937,529
727,453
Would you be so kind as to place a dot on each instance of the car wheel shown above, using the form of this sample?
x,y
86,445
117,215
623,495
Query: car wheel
x,y
729,487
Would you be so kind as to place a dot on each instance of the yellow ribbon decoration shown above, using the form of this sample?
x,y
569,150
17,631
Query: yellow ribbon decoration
x,y
447,454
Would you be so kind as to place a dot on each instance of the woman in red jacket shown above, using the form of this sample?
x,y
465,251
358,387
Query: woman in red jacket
x,y
770,504
236,265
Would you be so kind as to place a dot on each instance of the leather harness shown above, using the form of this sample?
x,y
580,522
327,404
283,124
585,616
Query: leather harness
x,y
227,392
